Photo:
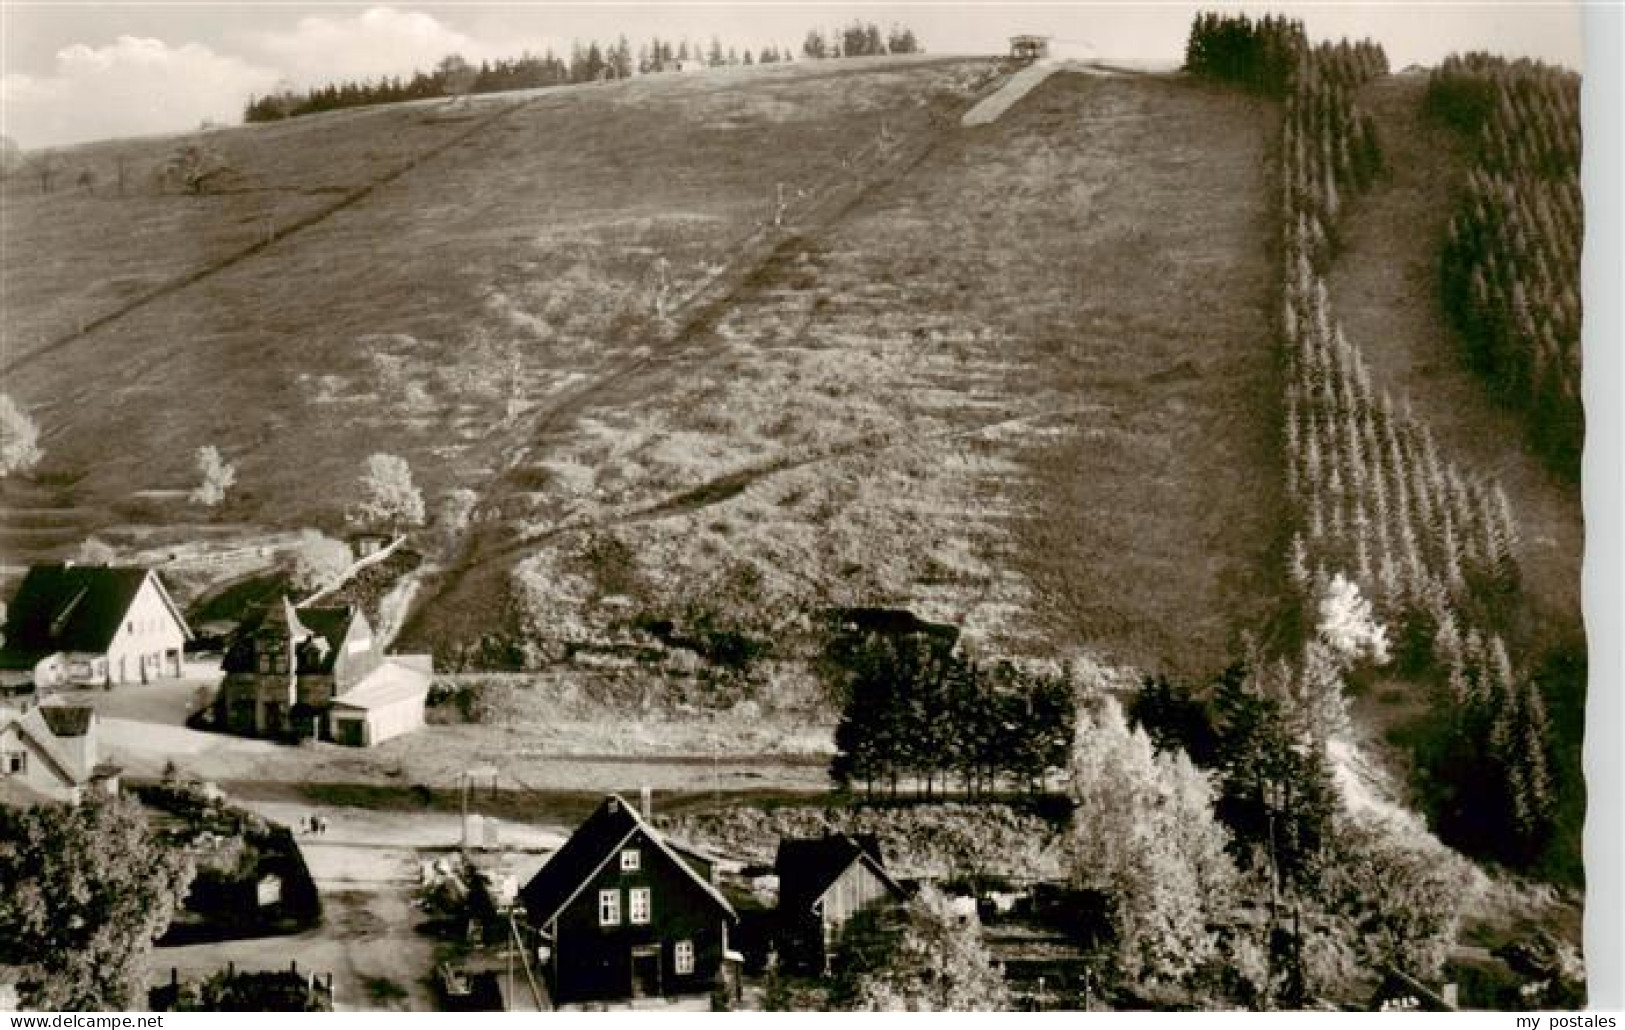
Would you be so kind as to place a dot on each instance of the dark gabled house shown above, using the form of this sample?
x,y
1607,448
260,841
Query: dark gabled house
x,y
622,913
823,883
319,672
91,625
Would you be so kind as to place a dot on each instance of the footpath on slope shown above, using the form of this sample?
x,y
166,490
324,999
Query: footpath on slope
x,y
1014,88
993,106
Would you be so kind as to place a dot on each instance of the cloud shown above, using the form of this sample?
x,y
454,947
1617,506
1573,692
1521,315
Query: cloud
x,y
380,41
131,86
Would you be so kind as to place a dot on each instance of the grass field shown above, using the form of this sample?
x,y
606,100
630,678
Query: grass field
x,y
950,398
430,312
1010,376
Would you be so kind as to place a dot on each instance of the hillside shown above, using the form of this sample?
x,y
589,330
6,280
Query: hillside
x,y
473,259
1005,375
1386,288
949,398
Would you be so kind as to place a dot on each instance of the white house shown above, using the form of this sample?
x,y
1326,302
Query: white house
x,y
388,703
51,752
91,625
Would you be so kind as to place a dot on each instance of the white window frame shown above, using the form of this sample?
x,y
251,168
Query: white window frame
x,y
638,906
682,958
631,860
609,908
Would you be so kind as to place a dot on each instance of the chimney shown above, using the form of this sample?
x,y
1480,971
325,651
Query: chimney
x,y
648,804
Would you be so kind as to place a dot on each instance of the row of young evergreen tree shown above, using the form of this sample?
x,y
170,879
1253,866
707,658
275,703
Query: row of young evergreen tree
x,y
918,712
1510,265
1375,500
1373,497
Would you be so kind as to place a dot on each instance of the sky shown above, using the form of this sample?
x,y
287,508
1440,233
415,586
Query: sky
x,y
75,71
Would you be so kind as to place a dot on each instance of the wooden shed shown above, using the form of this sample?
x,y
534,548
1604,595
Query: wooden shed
x,y
823,883
1029,48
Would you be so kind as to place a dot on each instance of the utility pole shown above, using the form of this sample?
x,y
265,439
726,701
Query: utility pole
x,y
484,772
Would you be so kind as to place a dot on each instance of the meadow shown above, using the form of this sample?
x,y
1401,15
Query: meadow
x,y
991,391
414,278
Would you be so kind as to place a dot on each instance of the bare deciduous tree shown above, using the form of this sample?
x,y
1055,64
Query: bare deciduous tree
x,y
19,438
195,168
218,477
318,562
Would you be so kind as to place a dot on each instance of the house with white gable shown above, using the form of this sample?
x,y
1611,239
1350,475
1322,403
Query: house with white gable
x,y
51,752
91,625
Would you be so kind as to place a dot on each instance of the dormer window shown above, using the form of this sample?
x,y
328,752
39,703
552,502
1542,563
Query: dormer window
x,y
631,860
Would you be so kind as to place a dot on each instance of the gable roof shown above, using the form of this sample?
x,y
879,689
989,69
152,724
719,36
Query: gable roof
x,y
77,607
809,866
35,726
328,625
67,720
594,843
389,683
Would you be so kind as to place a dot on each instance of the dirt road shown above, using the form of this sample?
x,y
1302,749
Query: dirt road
x,y
367,866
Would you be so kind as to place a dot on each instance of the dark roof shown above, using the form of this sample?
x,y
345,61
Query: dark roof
x,y
327,625
75,607
891,622
809,866
68,720
594,842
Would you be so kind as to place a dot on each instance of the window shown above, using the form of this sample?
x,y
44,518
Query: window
x,y
281,663
16,762
683,957
637,905
609,908
631,860
265,662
